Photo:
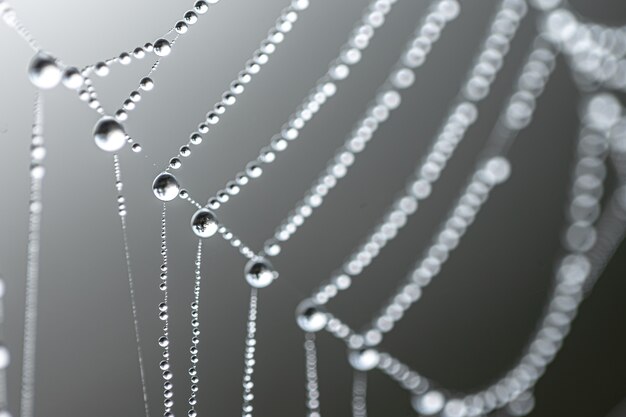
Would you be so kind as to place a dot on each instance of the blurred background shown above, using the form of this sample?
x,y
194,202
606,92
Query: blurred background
x,y
471,323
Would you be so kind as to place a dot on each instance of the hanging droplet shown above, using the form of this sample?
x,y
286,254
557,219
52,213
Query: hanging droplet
x,y
109,134
44,71
364,359
146,84
429,404
311,317
204,223
72,78
136,147
260,273
102,69
165,187
162,47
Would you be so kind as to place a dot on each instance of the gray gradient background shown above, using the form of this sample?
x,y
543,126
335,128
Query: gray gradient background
x,y
471,323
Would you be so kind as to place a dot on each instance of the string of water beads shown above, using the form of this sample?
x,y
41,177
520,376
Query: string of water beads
x,y
373,18
9,16
475,88
312,384
556,321
401,77
359,394
496,169
5,357
276,35
419,188
249,356
37,173
122,212
595,52
461,217
195,339
164,341
574,272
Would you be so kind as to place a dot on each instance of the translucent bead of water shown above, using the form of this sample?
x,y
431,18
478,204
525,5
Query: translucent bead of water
x,y
260,273
44,71
204,223
109,134
165,187
311,317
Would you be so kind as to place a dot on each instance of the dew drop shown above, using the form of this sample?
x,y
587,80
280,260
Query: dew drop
x,y
146,84
165,187
162,47
364,359
72,78
311,317
204,223
109,134
44,71
260,273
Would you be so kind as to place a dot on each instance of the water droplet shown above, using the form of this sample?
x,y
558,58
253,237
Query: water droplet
x,y
201,7
146,84
364,359
604,111
181,27
311,317
204,223
163,341
165,187
260,273
102,69
109,134
498,169
72,78
430,403
44,71
136,147
162,47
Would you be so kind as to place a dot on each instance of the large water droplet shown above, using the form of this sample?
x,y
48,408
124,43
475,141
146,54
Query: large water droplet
x,y
430,403
162,47
311,317
204,223
109,134
165,187
72,78
44,71
260,273
364,359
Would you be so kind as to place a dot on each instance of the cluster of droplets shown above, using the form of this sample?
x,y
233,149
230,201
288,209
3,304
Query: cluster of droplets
x,y
388,99
494,172
359,394
530,85
476,87
597,53
325,88
249,356
37,172
5,357
407,378
514,390
9,17
312,383
195,338
276,35
164,341
418,189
